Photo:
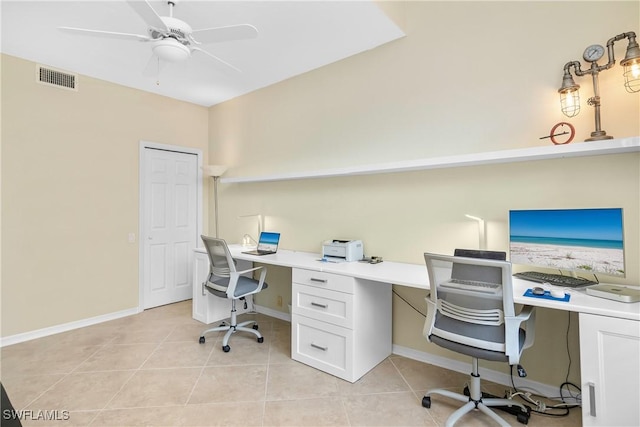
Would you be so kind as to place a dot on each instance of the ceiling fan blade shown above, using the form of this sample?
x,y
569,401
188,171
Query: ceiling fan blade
x,y
215,57
227,33
148,15
106,34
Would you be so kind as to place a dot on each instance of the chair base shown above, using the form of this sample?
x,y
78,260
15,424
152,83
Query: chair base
x,y
232,327
476,400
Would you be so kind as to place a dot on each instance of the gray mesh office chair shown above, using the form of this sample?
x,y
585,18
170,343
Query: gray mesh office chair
x,y
225,282
478,324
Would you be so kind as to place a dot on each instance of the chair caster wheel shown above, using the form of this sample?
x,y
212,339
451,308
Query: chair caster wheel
x,y
426,402
201,340
255,326
523,418
261,339
226,348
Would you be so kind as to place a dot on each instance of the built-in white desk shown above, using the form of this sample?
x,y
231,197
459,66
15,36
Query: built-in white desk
x,y
360,328
415,276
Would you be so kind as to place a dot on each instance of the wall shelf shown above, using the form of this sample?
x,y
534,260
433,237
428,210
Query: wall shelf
x,y
580,149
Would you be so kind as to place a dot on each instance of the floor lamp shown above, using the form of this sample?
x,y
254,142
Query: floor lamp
x,y
215,172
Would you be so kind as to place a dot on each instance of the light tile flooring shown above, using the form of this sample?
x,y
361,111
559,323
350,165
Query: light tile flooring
x,y
149,369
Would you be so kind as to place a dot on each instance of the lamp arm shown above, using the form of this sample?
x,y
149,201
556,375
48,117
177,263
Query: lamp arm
x,y
576,68
612,60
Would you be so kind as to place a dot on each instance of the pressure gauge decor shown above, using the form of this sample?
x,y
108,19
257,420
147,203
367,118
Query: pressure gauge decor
x,y
593,53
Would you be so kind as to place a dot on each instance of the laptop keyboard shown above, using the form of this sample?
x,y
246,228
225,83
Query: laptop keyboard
x,y
472,285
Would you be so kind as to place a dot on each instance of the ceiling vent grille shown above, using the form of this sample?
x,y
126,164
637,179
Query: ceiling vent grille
x,y
57,78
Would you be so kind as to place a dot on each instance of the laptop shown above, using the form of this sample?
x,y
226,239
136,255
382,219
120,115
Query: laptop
x,y
466,272
484,277
267,244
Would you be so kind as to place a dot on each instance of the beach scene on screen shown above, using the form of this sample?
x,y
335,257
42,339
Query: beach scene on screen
x,y
586,240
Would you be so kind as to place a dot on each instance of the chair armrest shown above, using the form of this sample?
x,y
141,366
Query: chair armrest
x,y
430,319
512,335
240,273
528,315
235,275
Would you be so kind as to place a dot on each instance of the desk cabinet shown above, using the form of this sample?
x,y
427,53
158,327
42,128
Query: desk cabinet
x,y
339,324
609,356
208,308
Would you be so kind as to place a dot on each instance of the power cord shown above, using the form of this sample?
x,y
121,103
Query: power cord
x,y
408,303
542,408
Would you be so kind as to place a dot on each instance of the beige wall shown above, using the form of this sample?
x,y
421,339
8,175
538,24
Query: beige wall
x,y
70,193
468,77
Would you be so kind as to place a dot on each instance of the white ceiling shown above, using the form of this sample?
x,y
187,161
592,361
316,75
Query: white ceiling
x,y
293,37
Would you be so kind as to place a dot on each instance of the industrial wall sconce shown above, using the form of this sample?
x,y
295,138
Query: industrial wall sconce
x,y
215,172
569,96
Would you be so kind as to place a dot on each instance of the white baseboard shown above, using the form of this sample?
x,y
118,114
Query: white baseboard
x,y
52,330
273,313
465,368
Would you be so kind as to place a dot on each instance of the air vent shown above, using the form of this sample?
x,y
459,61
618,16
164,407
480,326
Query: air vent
x,y
57,78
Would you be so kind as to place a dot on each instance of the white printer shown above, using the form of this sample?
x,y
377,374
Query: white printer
x,y
343,250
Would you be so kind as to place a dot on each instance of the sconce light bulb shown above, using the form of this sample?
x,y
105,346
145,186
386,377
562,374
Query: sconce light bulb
x,y
570,102
632,75
569,95
631,64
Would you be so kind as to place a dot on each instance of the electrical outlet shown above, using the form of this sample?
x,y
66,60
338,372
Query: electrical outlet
x,y
279,301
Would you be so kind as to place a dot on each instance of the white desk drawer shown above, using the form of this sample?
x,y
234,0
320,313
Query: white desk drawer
x,y
322,346
322,304
319,279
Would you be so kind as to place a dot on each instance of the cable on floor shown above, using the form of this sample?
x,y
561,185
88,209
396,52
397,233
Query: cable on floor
x,y
540,407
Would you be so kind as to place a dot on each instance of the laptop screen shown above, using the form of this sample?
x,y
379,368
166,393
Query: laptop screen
x,y
268,241
474,272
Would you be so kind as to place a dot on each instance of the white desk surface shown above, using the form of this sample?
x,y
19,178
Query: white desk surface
x,y
415,276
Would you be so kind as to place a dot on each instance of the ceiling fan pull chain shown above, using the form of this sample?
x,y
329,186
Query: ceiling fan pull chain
x,y
158,78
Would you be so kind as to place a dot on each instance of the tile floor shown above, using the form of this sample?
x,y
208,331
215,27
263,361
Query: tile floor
x,y
149,369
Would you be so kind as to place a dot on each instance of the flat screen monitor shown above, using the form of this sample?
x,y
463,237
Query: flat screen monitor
x,y
580,240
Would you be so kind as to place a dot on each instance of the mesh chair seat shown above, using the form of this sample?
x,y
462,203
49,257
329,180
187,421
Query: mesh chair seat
x,y
480,353
244,286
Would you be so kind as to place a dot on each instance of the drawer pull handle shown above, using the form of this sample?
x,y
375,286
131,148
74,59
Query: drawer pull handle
x,y
319,347
592,399
315,304
313,279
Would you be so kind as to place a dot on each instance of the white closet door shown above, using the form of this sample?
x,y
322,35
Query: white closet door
x,y
170,230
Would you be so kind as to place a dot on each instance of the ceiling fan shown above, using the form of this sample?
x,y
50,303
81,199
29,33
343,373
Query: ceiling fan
x,y
173,39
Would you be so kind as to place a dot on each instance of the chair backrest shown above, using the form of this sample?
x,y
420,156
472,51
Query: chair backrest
x,y
490,274
468,317
221,262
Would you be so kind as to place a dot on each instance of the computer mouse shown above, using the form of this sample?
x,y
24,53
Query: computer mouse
x,y
557,293
537,291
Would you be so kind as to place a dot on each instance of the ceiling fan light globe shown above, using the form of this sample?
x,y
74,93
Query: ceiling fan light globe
x,y
171,50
